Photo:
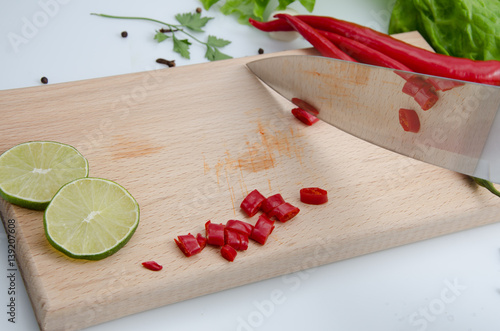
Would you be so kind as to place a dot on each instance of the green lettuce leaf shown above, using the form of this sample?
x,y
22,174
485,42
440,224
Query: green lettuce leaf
x,y
461,28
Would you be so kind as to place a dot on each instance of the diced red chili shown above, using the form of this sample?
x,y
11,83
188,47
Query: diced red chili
x,y
240,226
313,196
272,202
413,85
236,240
188,244
304,116
214,233
426,97
304,105
262,229
440,84
408,118
152,265
228,252
284,212
251,204
202,241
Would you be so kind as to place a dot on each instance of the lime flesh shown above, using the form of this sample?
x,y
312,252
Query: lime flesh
x,y
32,172
91,218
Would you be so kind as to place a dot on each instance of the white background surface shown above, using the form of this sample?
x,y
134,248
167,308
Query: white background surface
x,y
447,283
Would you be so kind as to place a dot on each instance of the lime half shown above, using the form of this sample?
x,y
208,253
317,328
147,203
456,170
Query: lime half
x,y
32,172
91,218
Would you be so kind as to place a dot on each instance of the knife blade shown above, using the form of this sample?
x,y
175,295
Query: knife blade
x,y
461,132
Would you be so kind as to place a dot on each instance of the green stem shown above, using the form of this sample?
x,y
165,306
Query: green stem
x,y
488,185
171,26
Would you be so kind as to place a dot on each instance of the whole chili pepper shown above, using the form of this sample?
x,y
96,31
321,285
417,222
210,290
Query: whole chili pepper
x,y
321,43
416,58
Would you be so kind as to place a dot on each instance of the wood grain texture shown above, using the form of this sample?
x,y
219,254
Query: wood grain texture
x,y
189,143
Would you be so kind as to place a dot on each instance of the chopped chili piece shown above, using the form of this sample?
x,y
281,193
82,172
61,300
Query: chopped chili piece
x,y
408,118
304,116
304,105
214,233
152,265
228,252
313,196
251,204
240,226
284,212
426,97
272,202
262,229
440,84
236,240
202,241
188,244
413,85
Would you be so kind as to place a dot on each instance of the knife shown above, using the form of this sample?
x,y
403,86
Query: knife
x,y
461,132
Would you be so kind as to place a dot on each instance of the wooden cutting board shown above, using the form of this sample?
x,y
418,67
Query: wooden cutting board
x,y
189,143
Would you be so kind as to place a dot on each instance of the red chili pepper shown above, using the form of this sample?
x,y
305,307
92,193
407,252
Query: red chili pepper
x,y
262,229
236,240
202,241
284,212
363,53
152,265
251,204
416,58
313,196
188,244
304,116
214,233
304,105
408,118
228,252
321,43
272,202
239,226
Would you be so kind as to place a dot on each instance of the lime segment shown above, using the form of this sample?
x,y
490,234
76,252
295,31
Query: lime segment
x,y
91,218
31,173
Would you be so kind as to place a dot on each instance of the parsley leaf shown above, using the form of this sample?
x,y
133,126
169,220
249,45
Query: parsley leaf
x,y
181,46
193,21
213,54
160,36
217,42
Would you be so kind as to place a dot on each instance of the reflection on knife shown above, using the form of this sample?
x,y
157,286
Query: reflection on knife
x,y
460,133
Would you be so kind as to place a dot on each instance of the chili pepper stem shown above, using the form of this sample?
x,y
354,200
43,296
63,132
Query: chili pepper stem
x,y
487,184
176,27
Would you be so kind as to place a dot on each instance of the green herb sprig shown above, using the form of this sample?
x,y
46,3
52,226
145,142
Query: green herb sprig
x,y
253,8
187,21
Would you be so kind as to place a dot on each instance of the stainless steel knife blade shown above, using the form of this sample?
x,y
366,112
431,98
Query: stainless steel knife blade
x,y
461,132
